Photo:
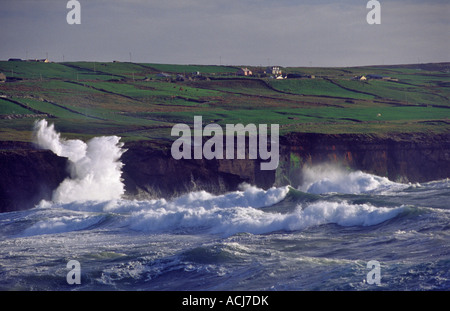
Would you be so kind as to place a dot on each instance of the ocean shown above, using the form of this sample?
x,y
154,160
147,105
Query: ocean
x,y
341,230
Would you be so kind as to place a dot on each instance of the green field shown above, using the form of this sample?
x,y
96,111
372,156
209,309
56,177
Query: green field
x,y
86,99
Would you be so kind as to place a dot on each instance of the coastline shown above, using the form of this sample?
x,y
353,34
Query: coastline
x,y
30,175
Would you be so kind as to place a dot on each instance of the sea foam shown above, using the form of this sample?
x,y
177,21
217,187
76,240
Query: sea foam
x,y
95,167
95,186
244,211
328,178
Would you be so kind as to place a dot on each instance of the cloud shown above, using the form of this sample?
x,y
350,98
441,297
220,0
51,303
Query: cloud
x,y
251,32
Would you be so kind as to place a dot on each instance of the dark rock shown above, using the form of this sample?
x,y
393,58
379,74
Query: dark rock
x,y
153,173
400,157
28,175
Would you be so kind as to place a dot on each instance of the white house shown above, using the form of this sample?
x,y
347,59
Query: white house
x,y
274,70
244,72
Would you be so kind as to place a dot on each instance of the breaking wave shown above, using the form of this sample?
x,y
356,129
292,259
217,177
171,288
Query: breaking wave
x,y
243,211
317,237
238,219
327,179
95,166
94,190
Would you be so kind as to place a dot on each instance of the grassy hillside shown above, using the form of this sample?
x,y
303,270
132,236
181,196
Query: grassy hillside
x,y
136,102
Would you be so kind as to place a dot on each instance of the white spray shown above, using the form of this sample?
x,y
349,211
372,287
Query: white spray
x,y
326,178
95,166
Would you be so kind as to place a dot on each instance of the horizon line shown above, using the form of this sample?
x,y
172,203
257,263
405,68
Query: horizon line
x,y
226,65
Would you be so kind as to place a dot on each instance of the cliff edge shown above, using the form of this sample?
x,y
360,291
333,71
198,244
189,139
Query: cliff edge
x,y
29,175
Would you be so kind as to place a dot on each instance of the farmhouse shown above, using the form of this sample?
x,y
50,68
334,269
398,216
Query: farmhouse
x,y
361,78
244,72
2,77
274,70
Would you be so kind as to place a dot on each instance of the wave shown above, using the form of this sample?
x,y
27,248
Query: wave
x,y
323,179
95,166
94,191
63,224
432,185
244,211
239,219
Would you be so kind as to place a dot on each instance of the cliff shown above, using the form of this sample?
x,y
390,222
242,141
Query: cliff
x,y
29,175
401,157
153,173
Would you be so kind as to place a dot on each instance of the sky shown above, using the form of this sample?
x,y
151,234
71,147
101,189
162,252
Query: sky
x,y
326,33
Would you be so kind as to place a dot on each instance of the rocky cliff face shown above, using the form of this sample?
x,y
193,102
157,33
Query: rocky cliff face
x,y
401,158
153,173
29,175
